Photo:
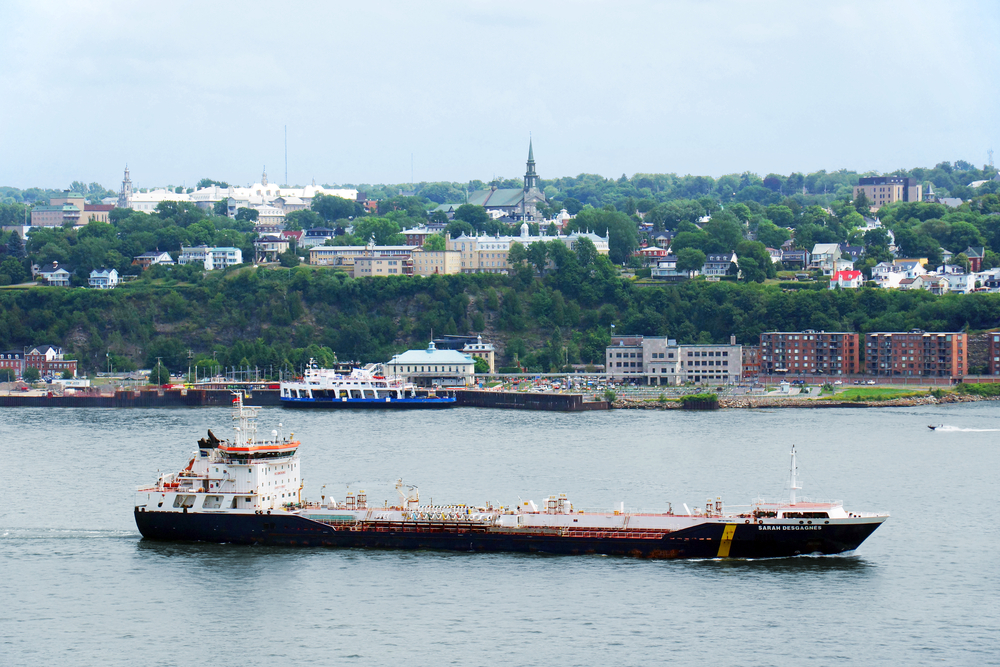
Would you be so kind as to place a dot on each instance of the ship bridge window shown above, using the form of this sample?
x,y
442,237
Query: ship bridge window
x,y
806,515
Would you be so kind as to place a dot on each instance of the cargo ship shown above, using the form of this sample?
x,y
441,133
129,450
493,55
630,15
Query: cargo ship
x,y
248,490
361,388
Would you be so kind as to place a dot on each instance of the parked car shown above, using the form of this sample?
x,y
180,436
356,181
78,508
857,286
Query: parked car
x,y
870,382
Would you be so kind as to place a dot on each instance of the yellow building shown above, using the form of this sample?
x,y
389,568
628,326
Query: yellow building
x,y
382,265
488,254
484,351
432,262
882,190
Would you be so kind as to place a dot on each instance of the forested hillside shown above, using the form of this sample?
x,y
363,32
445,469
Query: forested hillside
x,y
277,318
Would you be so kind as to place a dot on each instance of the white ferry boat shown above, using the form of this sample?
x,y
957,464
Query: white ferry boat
x,y
249,491
361,388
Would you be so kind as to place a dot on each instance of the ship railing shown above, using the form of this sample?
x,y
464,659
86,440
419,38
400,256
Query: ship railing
x,y
783,502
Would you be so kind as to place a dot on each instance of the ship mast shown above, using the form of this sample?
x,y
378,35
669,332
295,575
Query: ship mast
x,y
246,430
794,470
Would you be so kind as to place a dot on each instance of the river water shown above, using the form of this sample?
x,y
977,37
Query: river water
x,y
79,587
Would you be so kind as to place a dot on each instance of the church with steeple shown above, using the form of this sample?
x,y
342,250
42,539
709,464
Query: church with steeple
x,y
513,203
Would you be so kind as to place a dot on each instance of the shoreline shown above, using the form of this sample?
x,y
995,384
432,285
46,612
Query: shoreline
x,y
758,402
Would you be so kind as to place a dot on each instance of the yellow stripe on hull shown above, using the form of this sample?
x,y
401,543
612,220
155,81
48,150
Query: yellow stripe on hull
x,y
727,540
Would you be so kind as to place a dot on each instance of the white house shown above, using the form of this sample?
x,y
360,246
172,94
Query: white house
x,y
212,258
717,266
55,275
888,275
666,268
847,280
963,283
104,278
825,256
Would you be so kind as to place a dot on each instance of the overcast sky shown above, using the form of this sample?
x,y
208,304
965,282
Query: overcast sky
x,y
186,90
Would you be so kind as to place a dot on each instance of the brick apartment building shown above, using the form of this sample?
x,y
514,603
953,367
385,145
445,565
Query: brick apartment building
x,y
994,358
809,351
751,362
918,353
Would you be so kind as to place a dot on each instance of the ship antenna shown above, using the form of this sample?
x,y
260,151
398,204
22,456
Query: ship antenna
x,y
794,470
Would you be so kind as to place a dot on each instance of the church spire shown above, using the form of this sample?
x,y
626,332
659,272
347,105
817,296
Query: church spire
x,y
125,195
530,177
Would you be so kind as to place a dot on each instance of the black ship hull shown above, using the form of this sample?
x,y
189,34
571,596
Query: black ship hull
x,y
707,540
369,403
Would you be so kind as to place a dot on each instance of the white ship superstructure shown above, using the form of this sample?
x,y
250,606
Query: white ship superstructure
x,y
241,474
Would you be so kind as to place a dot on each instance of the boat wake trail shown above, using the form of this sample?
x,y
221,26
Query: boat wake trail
x,y
957,429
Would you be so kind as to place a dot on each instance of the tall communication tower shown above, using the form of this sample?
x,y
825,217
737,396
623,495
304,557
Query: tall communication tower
x,y
990,153
286,155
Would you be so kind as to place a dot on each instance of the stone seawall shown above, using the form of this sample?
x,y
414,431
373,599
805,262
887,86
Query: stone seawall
x,y
758,402
153,398
523,400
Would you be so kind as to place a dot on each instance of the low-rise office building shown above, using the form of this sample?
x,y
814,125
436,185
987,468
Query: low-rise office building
x,y
659,360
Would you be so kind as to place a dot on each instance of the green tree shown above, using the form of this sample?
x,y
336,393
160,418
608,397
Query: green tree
x,y
472,214
14,270
482,366
159,375
221,207
31,375
67,375
458,227
208,182
771,235
15,248
517,254
623,236
332,208
538,255
289,259
383,230
586,251
434,243
754,262
690,259
7,375
304,219
244,214
861,203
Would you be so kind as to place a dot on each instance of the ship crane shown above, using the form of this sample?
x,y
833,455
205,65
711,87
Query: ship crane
x,y
411,495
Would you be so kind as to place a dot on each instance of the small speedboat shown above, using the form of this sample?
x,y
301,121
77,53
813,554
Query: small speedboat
x,y
934,426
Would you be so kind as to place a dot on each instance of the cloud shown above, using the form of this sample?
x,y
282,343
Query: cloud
x,y
183,90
